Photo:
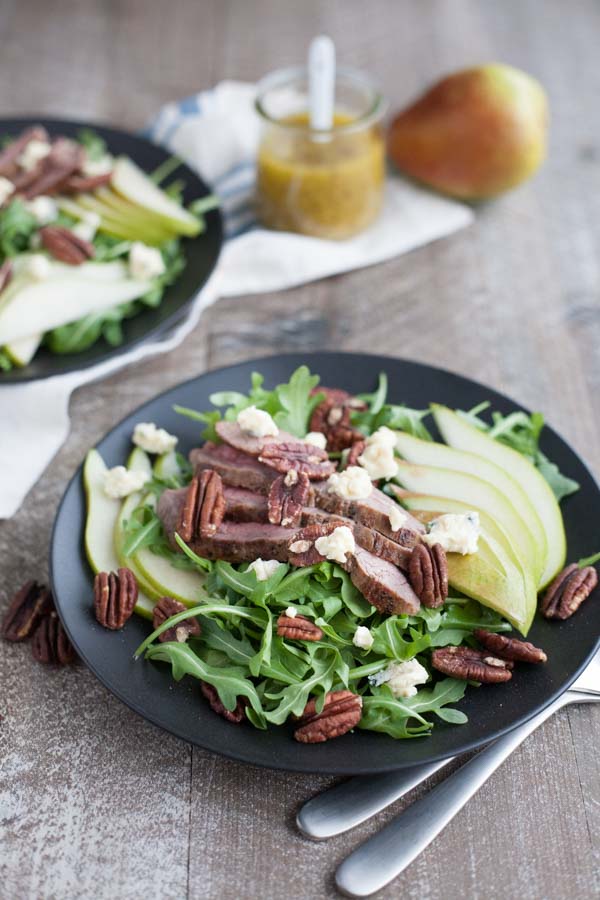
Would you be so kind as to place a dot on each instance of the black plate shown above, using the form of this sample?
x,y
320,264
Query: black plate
x,y
148,687
201,253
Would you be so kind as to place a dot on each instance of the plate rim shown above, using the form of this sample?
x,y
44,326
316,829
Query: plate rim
x,y
340,770
113,353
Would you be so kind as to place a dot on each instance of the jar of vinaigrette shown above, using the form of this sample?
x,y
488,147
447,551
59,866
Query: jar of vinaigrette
x,y
328,182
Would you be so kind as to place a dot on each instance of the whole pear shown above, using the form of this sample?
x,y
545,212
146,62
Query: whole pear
x,y
474,134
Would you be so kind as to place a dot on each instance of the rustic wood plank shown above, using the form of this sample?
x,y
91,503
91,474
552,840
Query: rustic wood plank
x,y
512,301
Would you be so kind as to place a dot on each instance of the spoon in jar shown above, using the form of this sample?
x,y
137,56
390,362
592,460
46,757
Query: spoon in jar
x,y
321,86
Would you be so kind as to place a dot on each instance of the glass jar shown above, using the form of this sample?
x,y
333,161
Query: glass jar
x,y
325,183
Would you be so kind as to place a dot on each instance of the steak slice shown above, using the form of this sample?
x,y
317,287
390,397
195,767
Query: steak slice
x,y
382,584
237,469
245,541
232,434
169,509
374,512
10,154
242,505
65,158
365,537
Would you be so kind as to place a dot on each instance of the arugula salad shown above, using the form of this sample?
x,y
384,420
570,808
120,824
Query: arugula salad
x,y
87,240
320,559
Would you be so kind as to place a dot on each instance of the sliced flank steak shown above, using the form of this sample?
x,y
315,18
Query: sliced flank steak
x,y
374,512
237,469
231,433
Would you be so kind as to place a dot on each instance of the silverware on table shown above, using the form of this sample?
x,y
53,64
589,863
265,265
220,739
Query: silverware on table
x,y
383,857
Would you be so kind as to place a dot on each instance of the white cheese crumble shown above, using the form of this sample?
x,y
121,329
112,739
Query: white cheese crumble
x,y
145,262
402,678
456,533
32,154
43,209
337,545
378,456
291,612
120,482
263,568
317,439
363,638
88,226
397,518
38,267
94,167
6,189
351,484
257,422
152,439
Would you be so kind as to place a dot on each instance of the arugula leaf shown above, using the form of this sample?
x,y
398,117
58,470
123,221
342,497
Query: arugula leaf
x,y
296,403
384,712
379,413
94,145
6,363
588,560
17,225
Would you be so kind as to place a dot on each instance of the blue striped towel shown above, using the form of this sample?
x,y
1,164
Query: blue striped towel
x,y
217,133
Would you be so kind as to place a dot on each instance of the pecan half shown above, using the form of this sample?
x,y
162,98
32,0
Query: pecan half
x,y
164,609
568,591
332,417
65,158
50,643
298,628
288,494
27,608
302,550
204,506
12,151
471,665
357,449
301,457
66,246
341,712
6,270
236,715
115,595
509,648
428,572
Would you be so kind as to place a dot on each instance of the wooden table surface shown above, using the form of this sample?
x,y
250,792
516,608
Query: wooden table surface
x,y
96,803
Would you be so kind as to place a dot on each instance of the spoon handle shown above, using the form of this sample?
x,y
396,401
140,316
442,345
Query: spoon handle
x,y
383,857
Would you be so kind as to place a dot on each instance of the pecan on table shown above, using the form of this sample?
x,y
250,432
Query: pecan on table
x,y
568,591
27,608
288,494
50,643
204,506
298,628
428,572
509,648
164,609
299,456
302,550
6,270
341,712
115,595
471,665
66,246
236,715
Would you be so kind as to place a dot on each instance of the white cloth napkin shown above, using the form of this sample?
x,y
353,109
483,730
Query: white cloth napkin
x,y
216,132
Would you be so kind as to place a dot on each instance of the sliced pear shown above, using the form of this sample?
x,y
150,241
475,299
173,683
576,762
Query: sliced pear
x,y
477,494
21,352
138,226
464,436
132,183
167,466
430,453
159,577
102,512
492,575
44,305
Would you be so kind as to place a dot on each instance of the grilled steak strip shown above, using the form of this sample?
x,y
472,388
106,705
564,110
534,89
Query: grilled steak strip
x,y
231,433
10,154
365,537
374,512
237,469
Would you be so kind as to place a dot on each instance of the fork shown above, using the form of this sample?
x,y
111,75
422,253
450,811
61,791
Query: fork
x,y
381,858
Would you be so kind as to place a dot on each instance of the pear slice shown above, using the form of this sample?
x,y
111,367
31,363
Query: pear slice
x,y
432,454
464,436
102,512
135,226
21,352
477,494
44,305
132,183
159,577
